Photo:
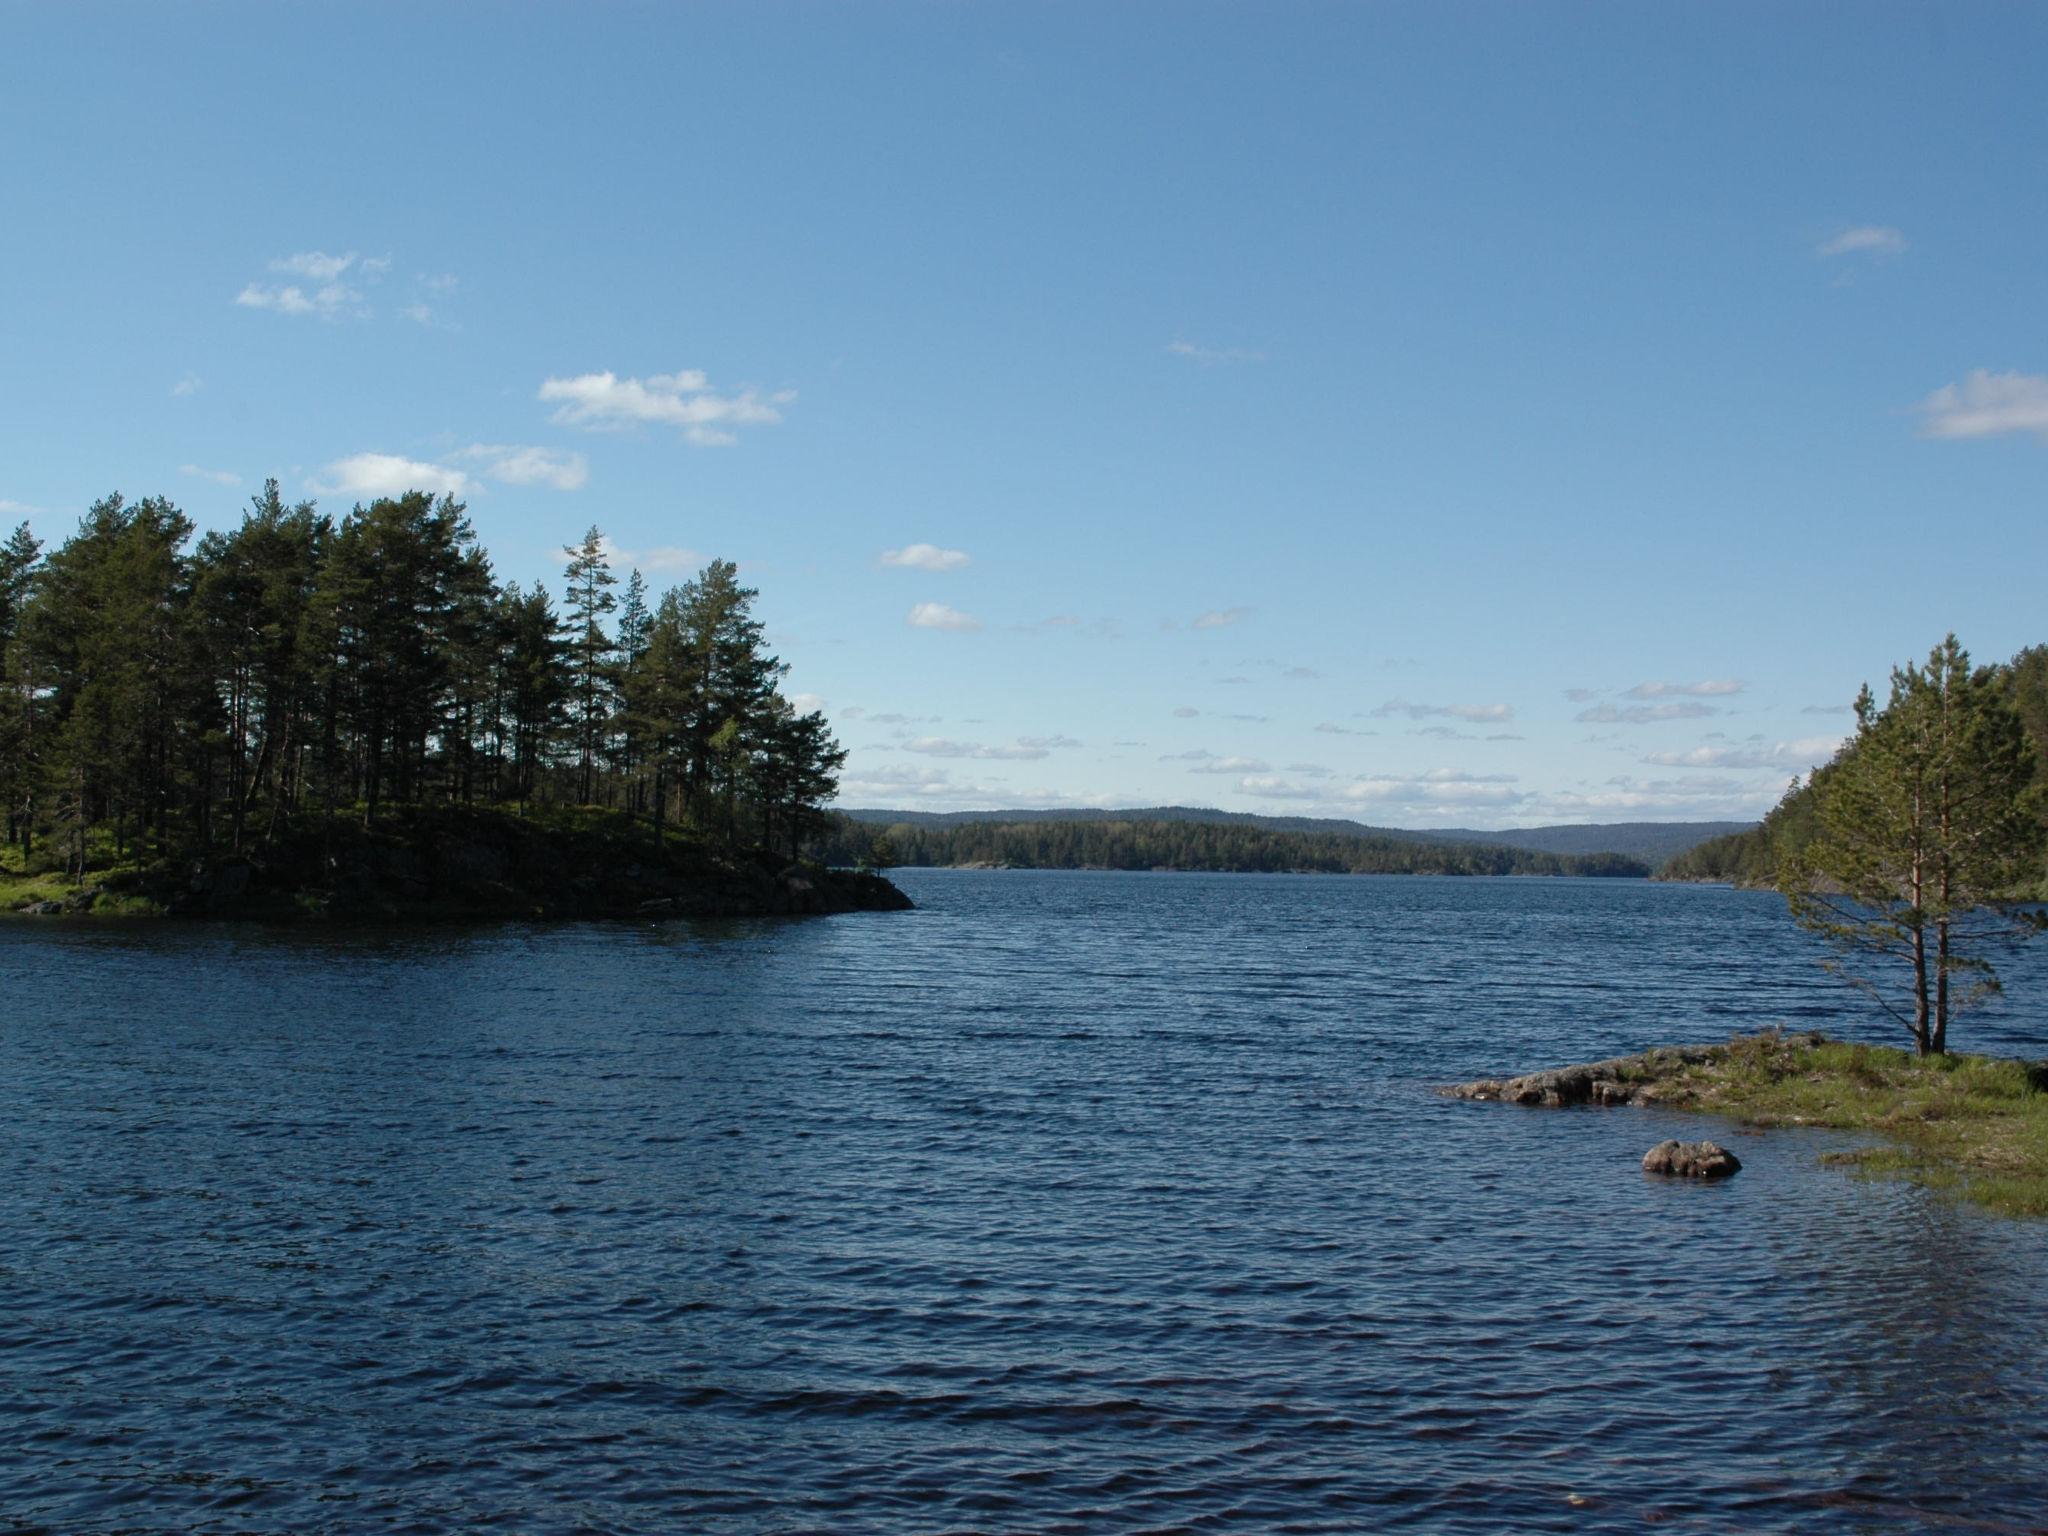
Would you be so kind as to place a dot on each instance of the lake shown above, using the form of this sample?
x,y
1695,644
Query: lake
x,y
1066,1203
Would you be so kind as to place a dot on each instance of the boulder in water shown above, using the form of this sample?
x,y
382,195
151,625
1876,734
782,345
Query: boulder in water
x,y
1691,1160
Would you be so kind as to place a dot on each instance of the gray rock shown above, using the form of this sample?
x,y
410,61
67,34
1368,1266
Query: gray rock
x,y
1691,1160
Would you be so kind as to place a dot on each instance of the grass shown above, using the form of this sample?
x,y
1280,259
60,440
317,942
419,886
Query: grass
x,y
1975,1126
44,877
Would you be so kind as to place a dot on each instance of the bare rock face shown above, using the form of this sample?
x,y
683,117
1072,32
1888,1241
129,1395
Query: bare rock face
x,y
1691,1160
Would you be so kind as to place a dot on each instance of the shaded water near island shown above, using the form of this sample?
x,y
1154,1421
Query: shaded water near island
x,y
1069,1202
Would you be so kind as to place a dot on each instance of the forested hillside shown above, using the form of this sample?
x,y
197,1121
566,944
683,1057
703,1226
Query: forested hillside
x,y
1192,844
168,704
1752,857
1652,842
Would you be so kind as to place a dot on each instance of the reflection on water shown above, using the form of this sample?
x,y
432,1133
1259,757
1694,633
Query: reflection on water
x,y
1065,1203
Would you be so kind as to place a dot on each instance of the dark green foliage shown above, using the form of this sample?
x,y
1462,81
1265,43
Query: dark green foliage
x,y
1920,825
1192,845
162,703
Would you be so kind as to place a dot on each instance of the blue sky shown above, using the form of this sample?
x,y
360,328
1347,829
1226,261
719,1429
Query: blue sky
x,y
1434,414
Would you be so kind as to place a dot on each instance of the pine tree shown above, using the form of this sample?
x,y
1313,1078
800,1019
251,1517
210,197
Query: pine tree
x,y
589,582
1924,822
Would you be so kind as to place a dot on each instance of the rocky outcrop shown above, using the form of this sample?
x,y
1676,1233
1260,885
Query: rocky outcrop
x,y
1647,1077
1617,1080
1691,1160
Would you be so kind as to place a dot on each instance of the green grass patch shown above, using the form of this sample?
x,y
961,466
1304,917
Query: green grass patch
x,y
1975,1126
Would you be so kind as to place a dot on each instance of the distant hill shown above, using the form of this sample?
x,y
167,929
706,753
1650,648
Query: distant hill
x,y
1651,842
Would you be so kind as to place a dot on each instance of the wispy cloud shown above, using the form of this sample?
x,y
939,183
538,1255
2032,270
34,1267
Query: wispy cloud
x,y
927,557
1711,689
1453,711
1825,709
1643,714
1864,239
514,464
187,386
938,746
652,559
323,292
1987,404
940,616
1232,765
1049,743
218,476
18,509
1332,728
685,399
1186,712
1194,352
315,266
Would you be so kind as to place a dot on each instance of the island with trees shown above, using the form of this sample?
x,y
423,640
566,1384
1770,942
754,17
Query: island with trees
x,y
355,717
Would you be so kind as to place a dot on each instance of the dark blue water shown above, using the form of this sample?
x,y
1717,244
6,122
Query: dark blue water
x,y
1067,1203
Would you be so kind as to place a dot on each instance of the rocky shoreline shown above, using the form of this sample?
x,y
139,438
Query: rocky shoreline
x,y
1648,1077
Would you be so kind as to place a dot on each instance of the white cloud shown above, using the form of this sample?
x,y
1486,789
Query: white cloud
x,y
1438,789
1800,755
1270,787
807,703
1643,714
685,399
1871,239
1332,728
1454,711
18,509
187,386
927,557
1661,799
1987,404
1196,353
217,476
419,313
939,746
1220,618
439,282
517,465
1707,690
1232,765
1053,743
939,616
385,474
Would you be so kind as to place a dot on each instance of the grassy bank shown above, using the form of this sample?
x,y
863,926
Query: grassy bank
x,y
1975,1126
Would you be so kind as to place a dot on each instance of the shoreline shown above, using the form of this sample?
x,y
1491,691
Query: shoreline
x,y
1972,1126
456,864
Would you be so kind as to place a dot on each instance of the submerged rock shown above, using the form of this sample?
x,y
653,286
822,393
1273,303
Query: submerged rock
x,y
1691,1160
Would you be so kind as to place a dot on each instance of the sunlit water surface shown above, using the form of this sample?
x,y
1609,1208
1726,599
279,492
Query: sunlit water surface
x,y
1066,1203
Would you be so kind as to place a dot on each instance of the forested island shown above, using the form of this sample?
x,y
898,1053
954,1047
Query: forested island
x,y
1193,841
354,716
